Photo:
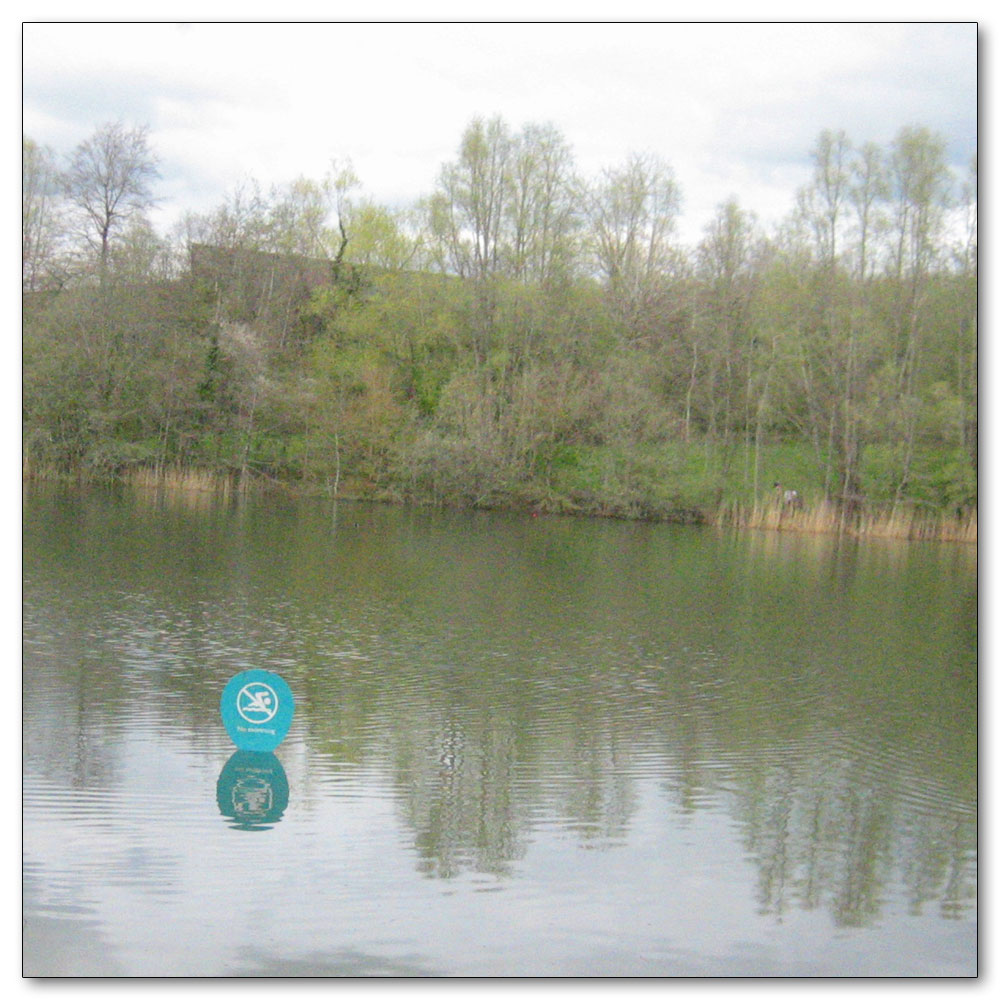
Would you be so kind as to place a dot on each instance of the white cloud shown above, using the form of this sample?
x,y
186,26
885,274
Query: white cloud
x,y
734,108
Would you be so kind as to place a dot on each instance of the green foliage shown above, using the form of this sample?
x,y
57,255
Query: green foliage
x,y
558,351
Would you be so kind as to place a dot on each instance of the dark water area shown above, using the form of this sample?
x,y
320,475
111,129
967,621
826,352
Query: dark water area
x,y
521,747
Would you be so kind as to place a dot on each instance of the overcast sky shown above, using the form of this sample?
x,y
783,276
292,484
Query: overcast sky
x,y
733,108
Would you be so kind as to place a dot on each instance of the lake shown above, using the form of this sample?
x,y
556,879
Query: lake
x,y
522,746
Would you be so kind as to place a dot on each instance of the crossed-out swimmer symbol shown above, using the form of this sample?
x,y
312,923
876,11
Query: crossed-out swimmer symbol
x,y
257,702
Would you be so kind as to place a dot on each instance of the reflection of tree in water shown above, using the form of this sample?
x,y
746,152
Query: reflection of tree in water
x,y
822,832
473,776
941,862
456,788
865,862
821,838
73,700
595,788
476,767
595,693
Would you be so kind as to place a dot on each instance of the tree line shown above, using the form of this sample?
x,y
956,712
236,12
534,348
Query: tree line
x,y
521,336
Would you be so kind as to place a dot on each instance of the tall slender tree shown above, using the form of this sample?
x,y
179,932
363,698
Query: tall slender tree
x,y
633,214
39,215
108,183
919,194
728,257
542,218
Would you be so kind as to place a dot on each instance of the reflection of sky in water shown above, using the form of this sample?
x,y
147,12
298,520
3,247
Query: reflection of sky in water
x,y
153,865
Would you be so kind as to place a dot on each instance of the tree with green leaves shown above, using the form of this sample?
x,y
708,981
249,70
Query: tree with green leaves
x,y
467,209
729,259
919,197
542,218
632,213
520,336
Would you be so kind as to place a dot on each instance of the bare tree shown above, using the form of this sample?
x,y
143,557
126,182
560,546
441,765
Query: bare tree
x,y
108,183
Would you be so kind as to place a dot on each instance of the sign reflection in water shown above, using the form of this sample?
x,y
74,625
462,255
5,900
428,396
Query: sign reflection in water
x,y
252,790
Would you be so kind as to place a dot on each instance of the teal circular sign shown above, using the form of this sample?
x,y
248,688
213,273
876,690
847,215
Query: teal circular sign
x,y
257,708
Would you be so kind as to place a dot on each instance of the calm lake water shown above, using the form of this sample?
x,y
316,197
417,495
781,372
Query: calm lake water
x,y
521,746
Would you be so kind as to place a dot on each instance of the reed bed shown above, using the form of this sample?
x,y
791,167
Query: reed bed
x,y
183,480
828,518
188,488
43,472
190,484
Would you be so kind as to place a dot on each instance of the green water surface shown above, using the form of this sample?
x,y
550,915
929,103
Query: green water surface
x,y
521,747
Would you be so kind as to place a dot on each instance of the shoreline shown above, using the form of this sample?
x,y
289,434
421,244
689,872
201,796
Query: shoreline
x,y
824,518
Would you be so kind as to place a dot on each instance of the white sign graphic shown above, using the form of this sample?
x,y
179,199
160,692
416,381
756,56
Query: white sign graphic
x,y
257,702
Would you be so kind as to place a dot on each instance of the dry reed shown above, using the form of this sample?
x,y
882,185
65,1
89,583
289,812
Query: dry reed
x,y
180,480
186,485
163,480
828,518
